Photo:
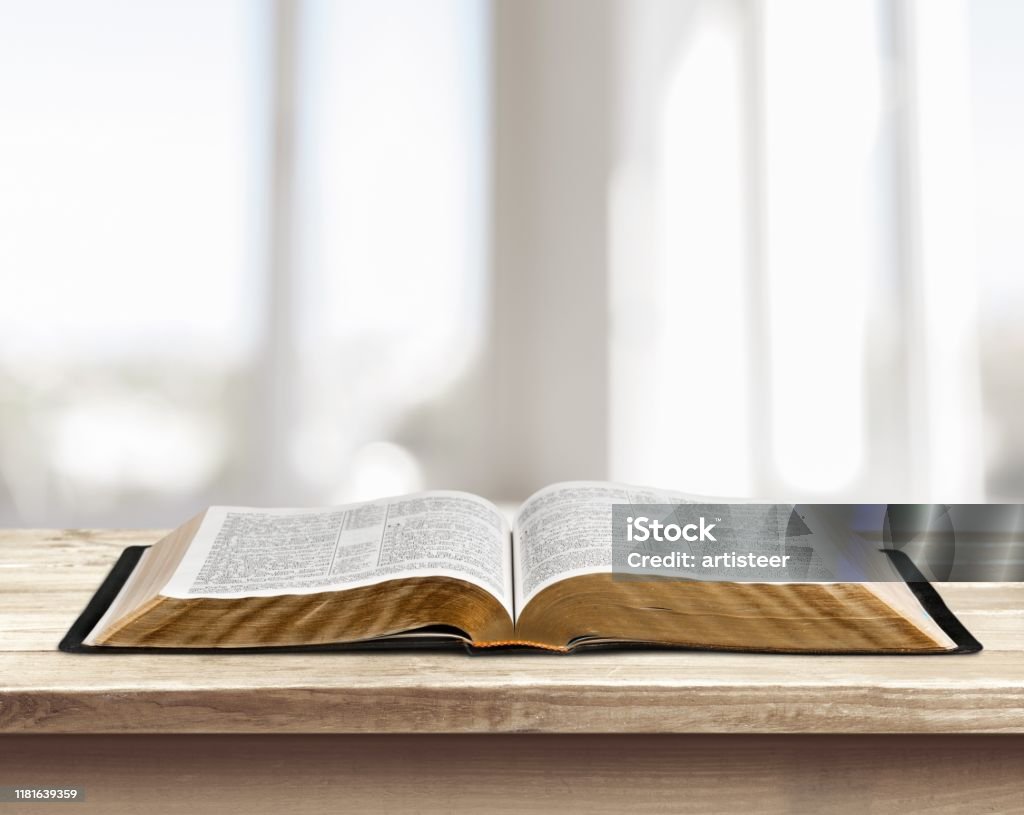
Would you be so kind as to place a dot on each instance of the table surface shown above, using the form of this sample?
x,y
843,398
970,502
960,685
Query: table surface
x,y
46,577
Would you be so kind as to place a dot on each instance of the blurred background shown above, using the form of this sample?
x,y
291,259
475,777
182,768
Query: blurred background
x,y
304,252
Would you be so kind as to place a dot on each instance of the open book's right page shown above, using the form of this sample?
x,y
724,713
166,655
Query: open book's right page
x,y
565,530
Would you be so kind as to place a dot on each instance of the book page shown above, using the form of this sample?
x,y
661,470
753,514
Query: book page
x,y
249,552
566,530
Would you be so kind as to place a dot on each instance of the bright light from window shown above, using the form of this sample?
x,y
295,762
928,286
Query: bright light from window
x,y
130,192
822,105
124,179
678,254
393,217
702,401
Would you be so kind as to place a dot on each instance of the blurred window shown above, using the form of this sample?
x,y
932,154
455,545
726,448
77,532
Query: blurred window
x,y
224,223
816,257
129,196
273,252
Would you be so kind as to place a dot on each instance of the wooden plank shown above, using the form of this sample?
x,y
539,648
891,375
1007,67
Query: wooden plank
x,y
54,573
72,546
312,774
992,598
607,693
996,631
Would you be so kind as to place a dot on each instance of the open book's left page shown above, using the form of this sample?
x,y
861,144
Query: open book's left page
x,y
248,552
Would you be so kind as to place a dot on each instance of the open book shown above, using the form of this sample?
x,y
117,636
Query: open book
x,y
439,567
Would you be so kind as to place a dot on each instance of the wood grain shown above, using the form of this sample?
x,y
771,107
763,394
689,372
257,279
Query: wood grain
x,y
46,577
501,774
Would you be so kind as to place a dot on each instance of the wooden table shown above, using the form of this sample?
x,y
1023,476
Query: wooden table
x,y
594,732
